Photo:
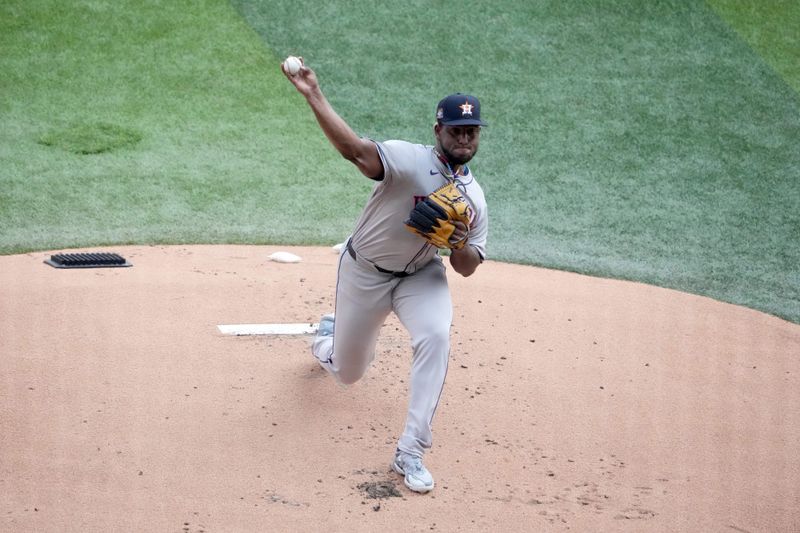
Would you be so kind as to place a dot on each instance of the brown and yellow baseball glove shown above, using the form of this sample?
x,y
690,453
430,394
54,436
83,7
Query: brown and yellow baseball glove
x,y
433,218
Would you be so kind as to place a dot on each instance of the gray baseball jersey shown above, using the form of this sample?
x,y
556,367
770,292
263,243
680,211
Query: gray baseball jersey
x,y
411,172
386,268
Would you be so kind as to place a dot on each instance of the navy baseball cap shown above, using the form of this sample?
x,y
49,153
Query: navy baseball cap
x,y
459,110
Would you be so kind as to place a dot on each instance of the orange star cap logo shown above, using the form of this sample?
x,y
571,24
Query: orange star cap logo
x,y
466,109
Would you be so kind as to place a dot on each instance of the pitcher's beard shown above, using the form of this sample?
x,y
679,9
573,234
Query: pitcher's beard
x,y
457,160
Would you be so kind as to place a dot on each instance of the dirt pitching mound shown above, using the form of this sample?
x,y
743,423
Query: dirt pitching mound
x,y
571,403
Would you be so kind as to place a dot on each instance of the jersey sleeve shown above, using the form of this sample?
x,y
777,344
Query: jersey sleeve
x,y
479,227
398,158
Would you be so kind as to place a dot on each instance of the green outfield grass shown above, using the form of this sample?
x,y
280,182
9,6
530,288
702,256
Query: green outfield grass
x,y
652,141
192,131
771,27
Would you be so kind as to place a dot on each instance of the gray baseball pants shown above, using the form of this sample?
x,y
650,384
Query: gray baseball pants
x,y
364,298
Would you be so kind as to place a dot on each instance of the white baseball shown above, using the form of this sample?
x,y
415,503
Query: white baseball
x,y
292,65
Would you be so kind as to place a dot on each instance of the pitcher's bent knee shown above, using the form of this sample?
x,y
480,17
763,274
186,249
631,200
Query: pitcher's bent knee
x,y
350,376
349,369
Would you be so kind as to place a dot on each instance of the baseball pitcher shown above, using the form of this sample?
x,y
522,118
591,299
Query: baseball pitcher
x,y
425,199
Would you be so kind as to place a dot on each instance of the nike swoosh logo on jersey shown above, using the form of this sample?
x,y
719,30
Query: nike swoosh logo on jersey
x,y
434,172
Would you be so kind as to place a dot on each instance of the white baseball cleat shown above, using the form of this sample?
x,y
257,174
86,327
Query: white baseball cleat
x,y
325,326
324,329
417,477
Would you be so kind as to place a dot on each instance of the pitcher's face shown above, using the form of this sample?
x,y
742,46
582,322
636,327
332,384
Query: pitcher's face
x,y
458,144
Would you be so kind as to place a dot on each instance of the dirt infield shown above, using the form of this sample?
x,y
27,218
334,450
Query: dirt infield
x,y
571,403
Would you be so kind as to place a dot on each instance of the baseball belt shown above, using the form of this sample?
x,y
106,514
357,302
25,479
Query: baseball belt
x,y
353,254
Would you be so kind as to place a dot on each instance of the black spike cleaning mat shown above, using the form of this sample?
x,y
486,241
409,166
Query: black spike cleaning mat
x,y
87,260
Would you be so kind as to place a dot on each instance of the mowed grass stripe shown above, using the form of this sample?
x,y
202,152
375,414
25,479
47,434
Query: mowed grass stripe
x,y
771,27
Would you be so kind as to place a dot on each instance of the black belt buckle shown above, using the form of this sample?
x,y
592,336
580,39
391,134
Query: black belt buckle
x,y
352,253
